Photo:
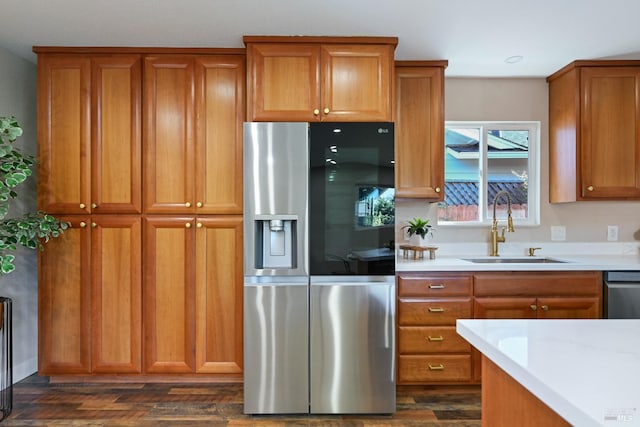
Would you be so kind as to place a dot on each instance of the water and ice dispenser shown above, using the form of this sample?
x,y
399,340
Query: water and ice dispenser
x,y
275,242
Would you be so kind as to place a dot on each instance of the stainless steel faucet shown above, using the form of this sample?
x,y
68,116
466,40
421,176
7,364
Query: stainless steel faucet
x,y
495,239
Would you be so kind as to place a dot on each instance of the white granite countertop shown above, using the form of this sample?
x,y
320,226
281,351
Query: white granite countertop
x,y
587,371
574,256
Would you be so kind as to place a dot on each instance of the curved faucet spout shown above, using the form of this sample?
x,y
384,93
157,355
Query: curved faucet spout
x,y
509,219
495,238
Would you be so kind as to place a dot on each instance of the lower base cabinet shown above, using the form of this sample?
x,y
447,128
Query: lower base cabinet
x,y
100,314
193,295
90,297
429,349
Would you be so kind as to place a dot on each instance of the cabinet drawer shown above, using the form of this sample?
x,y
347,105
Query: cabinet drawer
x,y
433,312
421,339
434,368
433,285
550,283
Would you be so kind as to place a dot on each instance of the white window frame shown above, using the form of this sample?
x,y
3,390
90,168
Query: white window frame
x,y
533,189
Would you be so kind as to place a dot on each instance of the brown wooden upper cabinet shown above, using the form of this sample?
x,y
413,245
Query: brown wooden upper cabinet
x,y
319,78
594,131
193,115
419,129
89,132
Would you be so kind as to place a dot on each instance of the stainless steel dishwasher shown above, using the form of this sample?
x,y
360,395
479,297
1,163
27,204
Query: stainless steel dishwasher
x,y
622,294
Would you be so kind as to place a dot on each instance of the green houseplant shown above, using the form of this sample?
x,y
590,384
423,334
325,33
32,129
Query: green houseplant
x,y
30,230
418,227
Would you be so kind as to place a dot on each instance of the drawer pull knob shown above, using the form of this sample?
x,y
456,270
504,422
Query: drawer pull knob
x,y
436,286
436,310
545,307
438,338
533,307
439,367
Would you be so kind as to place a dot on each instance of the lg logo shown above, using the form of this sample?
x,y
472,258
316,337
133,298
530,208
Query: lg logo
x,y
383,130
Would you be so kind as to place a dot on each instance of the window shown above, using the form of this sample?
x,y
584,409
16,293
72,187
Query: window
x,y
484,159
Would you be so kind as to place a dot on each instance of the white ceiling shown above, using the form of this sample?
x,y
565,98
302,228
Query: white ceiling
x,y
476,36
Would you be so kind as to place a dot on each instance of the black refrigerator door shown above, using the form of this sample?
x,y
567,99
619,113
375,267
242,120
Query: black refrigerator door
x,y
351,199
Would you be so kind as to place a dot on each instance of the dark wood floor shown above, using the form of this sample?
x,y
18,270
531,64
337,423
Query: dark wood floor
x,y
36,402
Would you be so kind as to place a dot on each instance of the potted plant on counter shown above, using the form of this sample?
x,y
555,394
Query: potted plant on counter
x,y
418,230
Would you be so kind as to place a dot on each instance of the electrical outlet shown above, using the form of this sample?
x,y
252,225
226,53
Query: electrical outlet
x,y
558,232
612,233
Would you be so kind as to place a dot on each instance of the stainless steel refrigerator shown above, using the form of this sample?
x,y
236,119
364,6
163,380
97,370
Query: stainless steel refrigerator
x,y
319,296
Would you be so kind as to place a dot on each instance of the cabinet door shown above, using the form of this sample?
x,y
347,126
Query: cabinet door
x,y
505,308
610,118
117,288
168,134
219,86
356,82
419,132
283,82
169,295
64,301
569,308
116,134
219,287
64,133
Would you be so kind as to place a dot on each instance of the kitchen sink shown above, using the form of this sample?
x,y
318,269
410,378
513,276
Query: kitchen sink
x,y
500,260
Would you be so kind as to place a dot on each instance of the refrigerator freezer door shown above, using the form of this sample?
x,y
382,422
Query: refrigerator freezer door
x,y
352,348
276,358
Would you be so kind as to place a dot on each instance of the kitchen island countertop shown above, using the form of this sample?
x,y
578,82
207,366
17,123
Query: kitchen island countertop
x,y
587,371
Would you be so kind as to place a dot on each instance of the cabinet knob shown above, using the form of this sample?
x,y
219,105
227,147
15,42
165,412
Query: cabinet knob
x,y
436,310
438,338
83,224
326,110
199,204
533,307
94,225
439,367
188,225
545,307
187,205
440,286
438,189
82,206
199,225
316,112
93,206
590,188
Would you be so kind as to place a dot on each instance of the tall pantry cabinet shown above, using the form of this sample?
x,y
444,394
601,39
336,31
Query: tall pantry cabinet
x,y
116,295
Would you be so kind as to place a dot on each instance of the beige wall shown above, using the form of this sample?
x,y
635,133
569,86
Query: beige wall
x,y
523,99
18,98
